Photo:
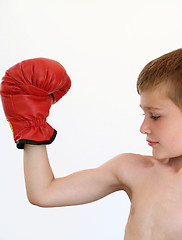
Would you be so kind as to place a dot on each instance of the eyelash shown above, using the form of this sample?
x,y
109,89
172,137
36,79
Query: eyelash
x,y
155,118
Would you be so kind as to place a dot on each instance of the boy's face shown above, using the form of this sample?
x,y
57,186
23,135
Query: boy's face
x,y
162,124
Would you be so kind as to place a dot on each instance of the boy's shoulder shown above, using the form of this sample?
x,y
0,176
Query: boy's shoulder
x,y
138,160
132,169
129,170
131,160
135,164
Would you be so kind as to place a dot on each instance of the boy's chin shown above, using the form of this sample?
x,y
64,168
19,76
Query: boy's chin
x,y
160,158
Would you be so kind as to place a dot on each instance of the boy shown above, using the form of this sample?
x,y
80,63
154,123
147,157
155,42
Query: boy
x,y
152,183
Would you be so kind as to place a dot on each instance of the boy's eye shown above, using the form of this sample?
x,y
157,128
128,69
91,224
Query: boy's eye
x,y
154,117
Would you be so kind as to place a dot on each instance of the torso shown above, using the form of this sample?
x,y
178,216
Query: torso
x,y
156,203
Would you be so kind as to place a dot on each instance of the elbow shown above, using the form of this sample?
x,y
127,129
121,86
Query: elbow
x,y
39,201
43,201
36,203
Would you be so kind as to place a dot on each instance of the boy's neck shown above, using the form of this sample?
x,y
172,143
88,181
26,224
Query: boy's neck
x,y
175,163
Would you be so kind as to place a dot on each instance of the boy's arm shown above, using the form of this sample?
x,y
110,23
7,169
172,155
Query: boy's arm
x,y
28,90
78,188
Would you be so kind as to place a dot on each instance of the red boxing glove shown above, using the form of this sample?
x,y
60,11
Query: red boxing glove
x,y
27,91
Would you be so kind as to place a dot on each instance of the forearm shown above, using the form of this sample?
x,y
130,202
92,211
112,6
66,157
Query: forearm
x,y
38,172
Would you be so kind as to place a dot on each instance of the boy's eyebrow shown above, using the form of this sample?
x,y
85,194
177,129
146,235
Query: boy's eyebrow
x,y
150,108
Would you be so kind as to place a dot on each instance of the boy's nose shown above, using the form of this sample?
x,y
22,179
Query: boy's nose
x,y
145,129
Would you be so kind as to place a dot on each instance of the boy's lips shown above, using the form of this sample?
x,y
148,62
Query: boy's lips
x,y
151,143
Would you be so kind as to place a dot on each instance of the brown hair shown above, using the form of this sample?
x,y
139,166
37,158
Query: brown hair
x,y
164,71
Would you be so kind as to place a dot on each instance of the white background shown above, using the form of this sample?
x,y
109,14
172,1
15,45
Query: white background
x,y
103,45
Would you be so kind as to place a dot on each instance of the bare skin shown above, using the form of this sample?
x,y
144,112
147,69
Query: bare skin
x,y
154,189
153,183
156,203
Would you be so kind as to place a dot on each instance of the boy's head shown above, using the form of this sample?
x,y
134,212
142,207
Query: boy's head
x,y
165,71
160,88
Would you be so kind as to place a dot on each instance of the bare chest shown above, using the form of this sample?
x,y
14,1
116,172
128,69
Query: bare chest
x,y
156,206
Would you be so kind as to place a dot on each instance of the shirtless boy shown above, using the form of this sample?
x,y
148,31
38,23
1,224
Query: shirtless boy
x,y
152,183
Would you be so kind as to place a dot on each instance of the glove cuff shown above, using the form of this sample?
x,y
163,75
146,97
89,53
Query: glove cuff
x,y
35,132
20,143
